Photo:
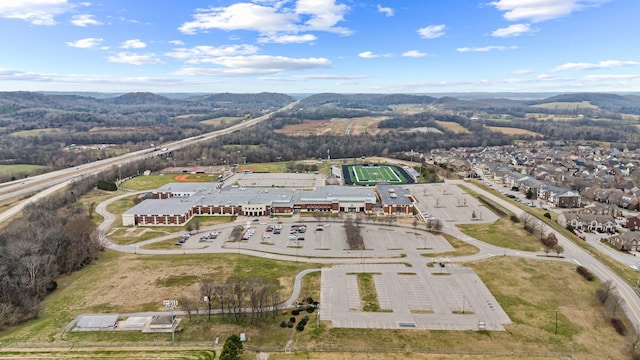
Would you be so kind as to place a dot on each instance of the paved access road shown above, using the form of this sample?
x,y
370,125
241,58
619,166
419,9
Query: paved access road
x,y
412,255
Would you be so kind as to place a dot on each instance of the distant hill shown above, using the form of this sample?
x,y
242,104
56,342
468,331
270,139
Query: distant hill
x,y
139,98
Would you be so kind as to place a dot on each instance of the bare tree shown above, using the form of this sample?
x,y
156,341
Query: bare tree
x,y
208,292
526,218
188,303
605,291
559,250
614,303
437,225
196,225
633,339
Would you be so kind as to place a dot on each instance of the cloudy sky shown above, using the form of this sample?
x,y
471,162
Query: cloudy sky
x,y
311,46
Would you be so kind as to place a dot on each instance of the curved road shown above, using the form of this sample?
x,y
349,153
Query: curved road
x,y
573,253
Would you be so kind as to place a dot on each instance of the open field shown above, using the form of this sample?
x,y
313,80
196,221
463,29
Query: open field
x,y
76,354
124,283
568,106
9,170
513,131
224,120
453,127
530,291
337,126
410,109
34,132
503,233
150,182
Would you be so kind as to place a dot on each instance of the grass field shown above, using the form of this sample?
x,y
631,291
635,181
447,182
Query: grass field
x,y
224,120
453,127
503,233
530,291
9,170
336,126
568,105
372,175
513,131
34,132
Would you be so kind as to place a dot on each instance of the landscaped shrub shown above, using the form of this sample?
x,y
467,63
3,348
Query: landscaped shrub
x,y
311,309
295,312
51,286
620,327
300,326
547,215
514,219
585,273
289,325
292,320
309,300
283,324
305,318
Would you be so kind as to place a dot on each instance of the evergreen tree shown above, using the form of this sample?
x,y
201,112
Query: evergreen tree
x,y
232,348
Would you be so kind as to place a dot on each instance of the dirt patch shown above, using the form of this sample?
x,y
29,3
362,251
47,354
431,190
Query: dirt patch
x,y
190,178
247,169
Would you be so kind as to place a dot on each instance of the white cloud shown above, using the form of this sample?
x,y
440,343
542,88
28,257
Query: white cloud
x,y
133,44
84,20
371,55
522,72
541,10
86,43
272,18
288,39
37,12
431,31
486,48
209,54
325,14
368,55
176,42
414,54
513,30
134,59
385,10
601,77
605,64
254,65
308,77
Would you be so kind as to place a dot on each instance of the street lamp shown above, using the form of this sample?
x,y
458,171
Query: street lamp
x,y
170,305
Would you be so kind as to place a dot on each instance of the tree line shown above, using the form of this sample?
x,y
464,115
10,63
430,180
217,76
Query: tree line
x,y
237,300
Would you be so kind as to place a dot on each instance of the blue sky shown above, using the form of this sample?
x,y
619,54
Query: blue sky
x,y
312,46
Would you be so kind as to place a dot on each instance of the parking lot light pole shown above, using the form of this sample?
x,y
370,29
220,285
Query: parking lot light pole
x,y
170,305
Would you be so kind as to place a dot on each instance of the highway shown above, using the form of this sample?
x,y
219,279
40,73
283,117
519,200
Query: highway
x,y
28,190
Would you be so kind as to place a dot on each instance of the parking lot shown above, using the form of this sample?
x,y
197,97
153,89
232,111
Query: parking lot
x,y
328,239
431,298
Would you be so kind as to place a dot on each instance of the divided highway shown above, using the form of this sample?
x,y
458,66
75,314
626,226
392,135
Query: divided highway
x,y
39,186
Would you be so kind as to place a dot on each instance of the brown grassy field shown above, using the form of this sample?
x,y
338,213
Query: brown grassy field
x,y
410,109
228,120
513,131
568,105
338,126
453,127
